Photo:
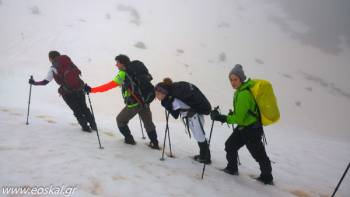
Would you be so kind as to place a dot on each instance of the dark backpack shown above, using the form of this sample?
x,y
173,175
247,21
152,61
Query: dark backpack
x,y
68,75
140,80
192,96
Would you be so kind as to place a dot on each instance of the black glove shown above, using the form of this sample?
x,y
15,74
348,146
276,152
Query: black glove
x,y
167,103
191,112
31,81
230,113
87,89
174,113
215,115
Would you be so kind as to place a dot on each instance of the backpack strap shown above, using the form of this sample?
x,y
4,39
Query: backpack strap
x,y
187,127
257,115
132,88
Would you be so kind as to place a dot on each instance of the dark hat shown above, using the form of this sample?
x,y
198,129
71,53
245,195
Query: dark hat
x,y
162,87
54,54
238,71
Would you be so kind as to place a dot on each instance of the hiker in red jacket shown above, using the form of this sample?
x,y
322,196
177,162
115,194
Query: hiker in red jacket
x,y
66,75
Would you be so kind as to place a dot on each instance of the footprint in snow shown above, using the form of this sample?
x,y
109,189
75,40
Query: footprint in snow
x,y
35,10
119,178
96,187
42,116
51,121
5,110
46,118
16,114
299,193
140,45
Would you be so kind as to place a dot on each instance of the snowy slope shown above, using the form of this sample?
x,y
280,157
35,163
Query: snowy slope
x,y
52,150
197,41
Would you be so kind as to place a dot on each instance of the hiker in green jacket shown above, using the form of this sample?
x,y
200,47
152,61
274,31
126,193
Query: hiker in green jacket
x,y
135,104
249,130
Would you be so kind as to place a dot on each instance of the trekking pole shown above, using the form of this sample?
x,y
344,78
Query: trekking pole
x,y
211,131
143,135
341,180
30,94
93,115
166,131
167,126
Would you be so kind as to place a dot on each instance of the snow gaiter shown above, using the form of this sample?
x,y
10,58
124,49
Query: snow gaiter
x,y
204,152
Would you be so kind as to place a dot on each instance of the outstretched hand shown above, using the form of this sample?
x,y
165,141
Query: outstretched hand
x,y
31,81
87,89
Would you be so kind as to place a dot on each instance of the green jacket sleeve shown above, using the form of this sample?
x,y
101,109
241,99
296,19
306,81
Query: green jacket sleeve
x,y
243,104
119,79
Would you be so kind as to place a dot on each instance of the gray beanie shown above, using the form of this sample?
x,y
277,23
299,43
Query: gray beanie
x,y
238,71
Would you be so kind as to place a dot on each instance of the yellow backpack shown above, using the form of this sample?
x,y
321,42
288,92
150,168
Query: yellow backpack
x,y
265,98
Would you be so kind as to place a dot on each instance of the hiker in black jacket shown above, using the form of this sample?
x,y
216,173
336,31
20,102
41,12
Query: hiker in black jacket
x,y
186,100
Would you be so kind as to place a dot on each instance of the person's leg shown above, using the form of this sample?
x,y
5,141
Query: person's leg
x,y
196,125
204,153
73,102
86,111
257,150
123,119
146,117
232,145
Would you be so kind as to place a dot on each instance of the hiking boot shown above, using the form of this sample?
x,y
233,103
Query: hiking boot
x,y
86,129
266,179
230,171
201,160
93,126
153,145
129,140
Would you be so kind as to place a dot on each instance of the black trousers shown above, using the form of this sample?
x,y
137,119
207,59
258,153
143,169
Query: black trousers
x,y
251,136
76,101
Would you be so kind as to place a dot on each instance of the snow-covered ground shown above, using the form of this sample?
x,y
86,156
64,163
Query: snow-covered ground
x,y
52,150
197,41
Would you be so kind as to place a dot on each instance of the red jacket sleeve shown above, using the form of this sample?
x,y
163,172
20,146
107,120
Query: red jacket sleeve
x,y
41,83
104,87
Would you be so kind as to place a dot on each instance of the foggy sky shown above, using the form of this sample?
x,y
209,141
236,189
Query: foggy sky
x,y
327,21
